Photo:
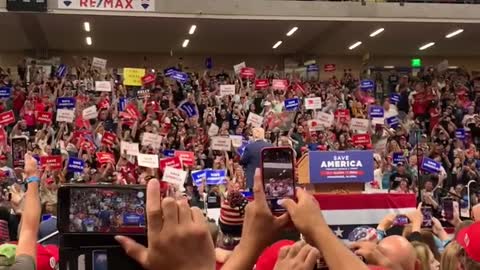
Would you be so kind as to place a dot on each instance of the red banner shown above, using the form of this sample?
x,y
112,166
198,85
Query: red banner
x,y
280,84
361,139
132,111
51,162
342,115
186,157
148,79
7,118
261,84
104,158
247,72
87,145
44,117
173,162
329,67
108,138
82,123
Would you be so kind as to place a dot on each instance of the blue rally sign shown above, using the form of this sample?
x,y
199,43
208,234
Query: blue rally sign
x,y
393,121
430,165
341,166
394,98
376,111
215,177
291,104
188,108
460,133
66,103
5,92
75,165
367,85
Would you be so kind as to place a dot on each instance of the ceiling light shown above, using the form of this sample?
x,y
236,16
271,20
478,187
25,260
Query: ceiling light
x,y
426,46
185,43
86,26
354,45
192,29
89,41
389,67
277,44
376,32
452,67
454,33
292,31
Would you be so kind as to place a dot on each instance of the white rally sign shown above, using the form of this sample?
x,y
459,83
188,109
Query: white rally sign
x,y
359,124
174,176
152,139
90,113
325,119
221,143
236,140
103,86
65,115
254,119
313,103
99,63
237,68
227,89
149,161
213,130
110,5
129,148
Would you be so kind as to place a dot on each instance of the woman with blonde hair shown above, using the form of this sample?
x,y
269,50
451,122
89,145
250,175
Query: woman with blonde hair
x,y
449,260
425,256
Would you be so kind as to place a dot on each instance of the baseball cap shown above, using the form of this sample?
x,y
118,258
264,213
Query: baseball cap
x,y
469,239
269,256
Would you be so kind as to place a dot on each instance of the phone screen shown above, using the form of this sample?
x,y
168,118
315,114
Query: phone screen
x,y
106,210
19,149
278,175
447,205
427,216
401,220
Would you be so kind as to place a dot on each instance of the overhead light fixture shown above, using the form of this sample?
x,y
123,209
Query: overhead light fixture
x,y
185,43
89,41
389,67
452,67
454,33
86,26
277,44
292,31
354,45
376,32
192,29
426,46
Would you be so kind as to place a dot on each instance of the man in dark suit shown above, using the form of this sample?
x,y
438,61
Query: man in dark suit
x,y
251,158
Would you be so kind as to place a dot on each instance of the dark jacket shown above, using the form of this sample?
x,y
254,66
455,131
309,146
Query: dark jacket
x,y
251,159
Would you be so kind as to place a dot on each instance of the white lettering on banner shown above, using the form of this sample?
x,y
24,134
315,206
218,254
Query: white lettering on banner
x,y
174,176
99,63
325,119
236,140
103,86
90,113
130,148
254,119
227,89
313,103
213,130
221,143
112,5
237,68
359,124
65,115
149,161
341,163
154,140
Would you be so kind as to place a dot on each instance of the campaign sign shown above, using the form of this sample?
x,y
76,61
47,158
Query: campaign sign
x,y
280,84
398,157
148,79
460,133
170,162
366,85
215,177
105,157
44,117
61,71
341,166
430,165
75,165
109,138
66,103
247,72
188,108
179,76
394,98
313,68
393,121
376,111
329,67
169,152
7,118
122,103
186,157
5,92
198,176
361,139
291,104
131,219
261,84
51,162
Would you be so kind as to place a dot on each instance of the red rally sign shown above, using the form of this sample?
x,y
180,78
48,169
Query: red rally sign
x,y
173,162
7,118
361,139
261,84
51,162
186,157
108,138
44,117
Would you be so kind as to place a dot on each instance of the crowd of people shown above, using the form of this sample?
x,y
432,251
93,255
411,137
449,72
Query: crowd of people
x,y
79,134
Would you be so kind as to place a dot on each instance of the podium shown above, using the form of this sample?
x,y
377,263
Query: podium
x,y
317,184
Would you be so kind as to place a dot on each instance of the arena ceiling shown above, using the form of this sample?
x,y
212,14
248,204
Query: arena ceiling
x,y
27,31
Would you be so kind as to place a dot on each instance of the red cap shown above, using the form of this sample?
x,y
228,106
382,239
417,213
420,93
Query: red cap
x,y
269,256
47,257
469,239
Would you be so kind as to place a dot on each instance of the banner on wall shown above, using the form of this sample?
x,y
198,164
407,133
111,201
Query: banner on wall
x,y
341,166
110,5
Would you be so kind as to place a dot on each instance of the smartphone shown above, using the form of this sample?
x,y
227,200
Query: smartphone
x,y
447,205
99,260
19,149
99,209
427,216
401,220
278,175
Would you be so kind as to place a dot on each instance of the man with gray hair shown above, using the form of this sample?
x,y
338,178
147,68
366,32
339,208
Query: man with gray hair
x,y
251,157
